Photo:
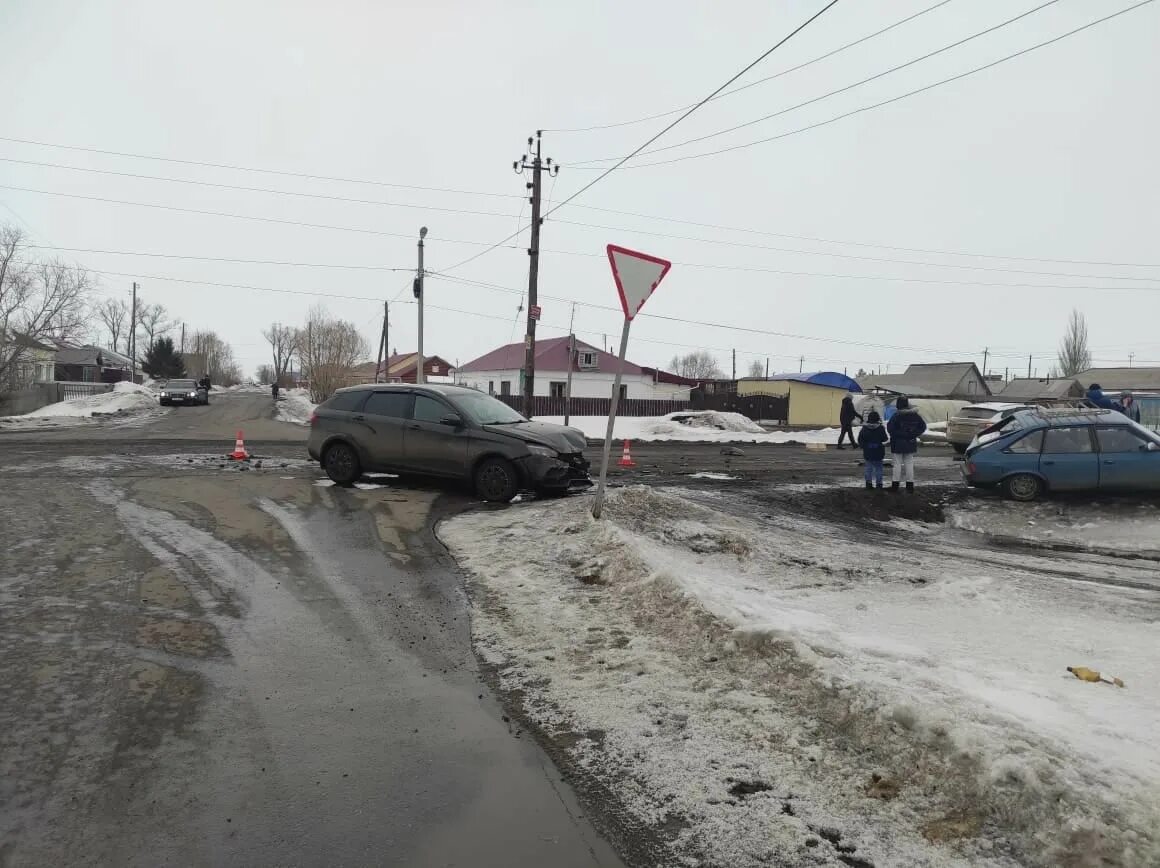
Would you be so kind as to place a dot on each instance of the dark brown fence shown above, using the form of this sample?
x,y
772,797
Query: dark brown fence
x,y
753,406
545,406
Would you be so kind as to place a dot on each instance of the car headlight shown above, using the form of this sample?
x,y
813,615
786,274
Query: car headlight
x,y
542,450
193,394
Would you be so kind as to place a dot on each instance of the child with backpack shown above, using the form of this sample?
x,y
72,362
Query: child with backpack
x,y
872,438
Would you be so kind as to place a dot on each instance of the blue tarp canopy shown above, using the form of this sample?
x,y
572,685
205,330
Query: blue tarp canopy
x,y
823,378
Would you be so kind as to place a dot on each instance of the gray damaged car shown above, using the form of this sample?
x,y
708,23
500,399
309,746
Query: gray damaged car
x,y
445,431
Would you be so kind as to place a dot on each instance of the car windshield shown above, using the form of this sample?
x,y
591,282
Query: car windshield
x,y
179,384
486,410
1002,428
977,412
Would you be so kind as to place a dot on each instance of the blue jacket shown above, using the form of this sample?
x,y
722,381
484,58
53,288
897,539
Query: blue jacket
x,y
1097,397
905,427
872,439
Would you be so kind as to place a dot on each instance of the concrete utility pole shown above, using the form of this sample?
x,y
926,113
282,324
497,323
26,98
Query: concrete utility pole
x,y
382,341
183,338
538,165
571,364
1131,359
1029,366
767,367
735,364
420,363
133,334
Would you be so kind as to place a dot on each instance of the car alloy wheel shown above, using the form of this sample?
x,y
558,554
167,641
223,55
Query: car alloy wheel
x,y
341,464
1022,486
495,480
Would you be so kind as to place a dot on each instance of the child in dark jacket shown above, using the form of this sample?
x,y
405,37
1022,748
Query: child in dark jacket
x,y
872,439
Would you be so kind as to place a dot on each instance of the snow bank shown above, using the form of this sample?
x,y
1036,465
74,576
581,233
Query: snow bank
x,y
761,682
702,427
125,399
294,405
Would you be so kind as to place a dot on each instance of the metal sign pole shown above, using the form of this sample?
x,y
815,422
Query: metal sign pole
x,y
599,504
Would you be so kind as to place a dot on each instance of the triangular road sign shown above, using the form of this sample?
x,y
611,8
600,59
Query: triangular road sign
x,y
637,275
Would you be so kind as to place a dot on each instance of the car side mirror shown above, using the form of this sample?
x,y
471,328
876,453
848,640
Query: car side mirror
x,y
1152,447
452,420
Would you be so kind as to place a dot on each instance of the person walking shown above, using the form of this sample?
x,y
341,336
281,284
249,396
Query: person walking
x,y
872,439
846,417
1129,407
904,428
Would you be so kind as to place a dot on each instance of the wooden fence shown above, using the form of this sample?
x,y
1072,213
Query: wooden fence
x,y
753,406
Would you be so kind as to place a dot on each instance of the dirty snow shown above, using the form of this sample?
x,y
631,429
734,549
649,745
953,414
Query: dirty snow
x,y
705,474
129,402
294,405
737,429
909,691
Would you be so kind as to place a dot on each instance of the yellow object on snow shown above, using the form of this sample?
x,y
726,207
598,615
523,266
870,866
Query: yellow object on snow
x,y
1085,674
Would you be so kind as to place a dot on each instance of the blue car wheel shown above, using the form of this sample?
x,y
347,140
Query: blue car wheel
x,y
1023,487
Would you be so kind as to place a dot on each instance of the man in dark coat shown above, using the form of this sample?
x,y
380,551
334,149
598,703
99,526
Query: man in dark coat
x,y
846,416
1128,406
1096,396
904,428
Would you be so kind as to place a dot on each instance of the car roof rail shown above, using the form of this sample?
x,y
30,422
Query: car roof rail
x,y
1053,412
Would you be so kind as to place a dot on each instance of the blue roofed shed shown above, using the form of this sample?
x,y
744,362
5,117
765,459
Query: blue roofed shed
x,y
815,398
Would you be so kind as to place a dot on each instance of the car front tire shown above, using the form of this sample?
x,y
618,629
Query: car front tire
x,y
341,464
1023,487
496,480
960,448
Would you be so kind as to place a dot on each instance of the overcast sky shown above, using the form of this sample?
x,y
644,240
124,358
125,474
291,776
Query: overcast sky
x,y
1051,156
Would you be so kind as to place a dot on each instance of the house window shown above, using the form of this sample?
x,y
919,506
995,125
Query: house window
x,y
587,359
623,391
556,389
491,387
434,369
505,387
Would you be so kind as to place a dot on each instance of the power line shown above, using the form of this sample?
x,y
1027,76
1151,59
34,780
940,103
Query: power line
x,y
240,168
848,87
867,108
694,108
767,78
258,189
232,216
151,254
751,231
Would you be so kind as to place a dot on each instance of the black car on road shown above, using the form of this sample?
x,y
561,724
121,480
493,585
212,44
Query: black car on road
x,y
445,431
184,392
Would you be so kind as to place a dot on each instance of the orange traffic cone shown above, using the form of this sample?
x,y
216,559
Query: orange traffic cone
x,y
239,453
626,456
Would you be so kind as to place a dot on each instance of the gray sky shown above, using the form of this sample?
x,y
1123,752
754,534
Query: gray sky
x,y
1051,156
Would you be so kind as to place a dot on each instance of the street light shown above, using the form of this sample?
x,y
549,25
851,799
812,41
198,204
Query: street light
x,y
418,289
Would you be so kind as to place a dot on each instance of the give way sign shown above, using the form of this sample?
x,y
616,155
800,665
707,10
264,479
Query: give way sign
x,y
637,275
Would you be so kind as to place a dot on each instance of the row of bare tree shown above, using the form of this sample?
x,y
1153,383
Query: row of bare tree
x,y
45,300
326,348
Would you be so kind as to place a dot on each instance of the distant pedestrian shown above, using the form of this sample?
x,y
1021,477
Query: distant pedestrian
x,y
1129,406
1095,394
904,428
872,439
846,416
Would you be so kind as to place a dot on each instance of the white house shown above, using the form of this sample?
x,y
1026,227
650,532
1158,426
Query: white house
x,y
500,372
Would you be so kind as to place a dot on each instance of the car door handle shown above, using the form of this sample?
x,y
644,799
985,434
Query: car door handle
x,y
360,418
1048,462
414,427
1109,461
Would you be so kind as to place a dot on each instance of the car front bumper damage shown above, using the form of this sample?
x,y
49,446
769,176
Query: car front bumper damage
x,y
565,472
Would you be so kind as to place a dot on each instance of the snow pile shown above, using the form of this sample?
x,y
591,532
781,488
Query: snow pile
x,y
125,399
294,405
1128,528
651,428
763,685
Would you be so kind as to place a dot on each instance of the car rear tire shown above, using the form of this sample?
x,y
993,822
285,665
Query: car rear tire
x,y
1023,487
341,464
959,447
496,480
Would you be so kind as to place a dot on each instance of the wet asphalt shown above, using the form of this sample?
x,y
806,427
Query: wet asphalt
x,y
204,666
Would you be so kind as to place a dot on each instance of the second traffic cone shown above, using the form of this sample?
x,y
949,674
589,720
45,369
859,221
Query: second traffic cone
x,y
626,456
239,453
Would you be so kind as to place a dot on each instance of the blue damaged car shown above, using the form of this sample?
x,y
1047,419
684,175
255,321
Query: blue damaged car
x,y
1037,451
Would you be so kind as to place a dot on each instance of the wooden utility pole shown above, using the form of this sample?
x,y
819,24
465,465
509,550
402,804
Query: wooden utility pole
x,y
538,166
1029,366
801,364
986,350
133,334
767,367
735,364
382,341
183,338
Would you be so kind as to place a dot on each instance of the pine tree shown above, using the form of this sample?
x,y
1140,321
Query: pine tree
x,y
162,361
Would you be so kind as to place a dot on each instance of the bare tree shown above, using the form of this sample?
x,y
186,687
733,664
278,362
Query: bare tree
x,y
266,374
114,314
212,357
38,301
328,349
154,321
282,339
697,365
756,368
1074,353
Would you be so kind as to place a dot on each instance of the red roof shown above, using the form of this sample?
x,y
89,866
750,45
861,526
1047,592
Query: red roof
x,y
551,355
